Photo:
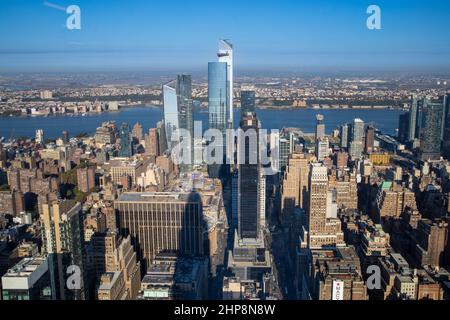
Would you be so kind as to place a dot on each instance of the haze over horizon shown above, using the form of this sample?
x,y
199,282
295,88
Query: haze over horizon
x,y
268,35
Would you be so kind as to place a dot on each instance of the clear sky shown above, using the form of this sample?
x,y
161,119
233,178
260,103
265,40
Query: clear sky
x,y
173,34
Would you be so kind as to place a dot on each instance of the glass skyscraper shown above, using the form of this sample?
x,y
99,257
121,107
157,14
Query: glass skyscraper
x,y
225,54
430,131
248,103
217,105
412,126
178,111
185,113
446,137
248,183
126,149
170,110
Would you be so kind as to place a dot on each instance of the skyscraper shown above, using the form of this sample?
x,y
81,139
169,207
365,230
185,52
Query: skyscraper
x,y
446,136
162,221
185,113
248,180
248,103
322,231
413,111
63,243
162,137
369,139
403,128
343,135
126,149
217,95
430,131
320,127
137,132
356,139
152,142
217,107
171,119
39,136
225,54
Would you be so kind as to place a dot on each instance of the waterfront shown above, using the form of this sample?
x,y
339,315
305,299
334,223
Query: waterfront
x,y
148,116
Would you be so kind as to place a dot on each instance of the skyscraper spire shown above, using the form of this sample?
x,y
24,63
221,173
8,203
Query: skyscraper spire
x,y
225,54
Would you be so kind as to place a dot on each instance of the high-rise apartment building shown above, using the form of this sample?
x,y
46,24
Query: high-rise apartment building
x,y
116,264
322,231
126,148
294,190
403,127
152,142
413,113
446,133
344,136
62,240
356,138
248,104
369,139
322,148
320,127
430,131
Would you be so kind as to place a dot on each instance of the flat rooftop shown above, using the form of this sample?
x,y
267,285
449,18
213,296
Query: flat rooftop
x,y
158,197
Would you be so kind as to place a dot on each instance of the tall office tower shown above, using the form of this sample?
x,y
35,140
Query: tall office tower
x,y
295,185
322,231
126,149
85,179
446,136
162,221
343,135
217,108
430,242
62,240
248,180
162,137
286,147
369,139
356,139
403,128
137,132
248,103
225,54
413,112
322,148
320,127
152,142
186,113
171,119
39,136
430,131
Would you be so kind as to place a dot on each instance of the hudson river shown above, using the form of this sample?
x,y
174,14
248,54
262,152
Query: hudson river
x,y
147,116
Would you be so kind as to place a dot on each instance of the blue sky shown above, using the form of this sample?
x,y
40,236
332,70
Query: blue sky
x,y
166,35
